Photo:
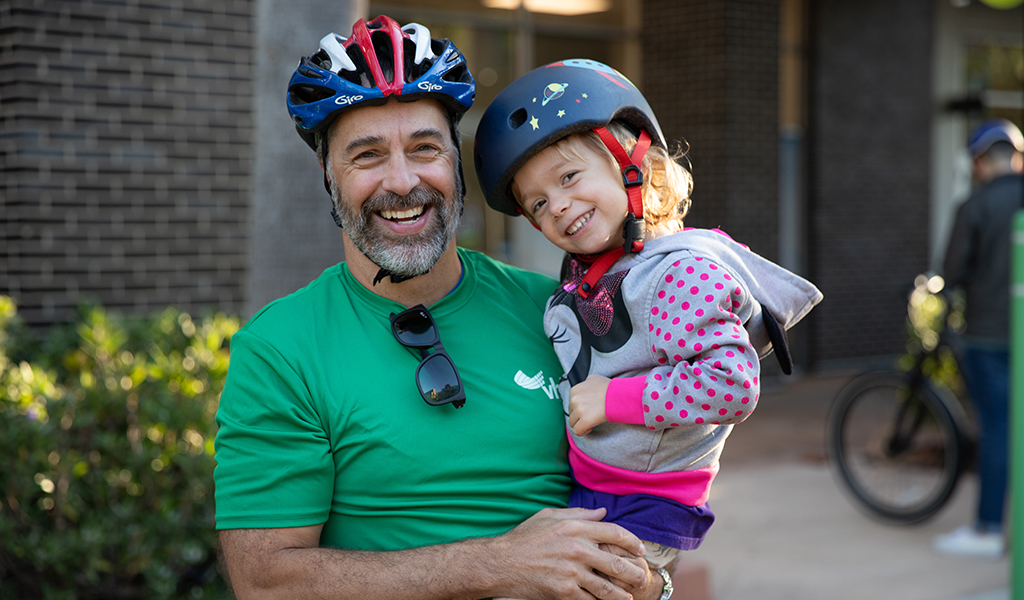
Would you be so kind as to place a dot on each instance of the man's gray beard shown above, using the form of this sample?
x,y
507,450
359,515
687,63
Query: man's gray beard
x,y
404,256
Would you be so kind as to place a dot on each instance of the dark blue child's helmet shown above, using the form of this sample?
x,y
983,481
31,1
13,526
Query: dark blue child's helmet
x,y
544,106
378,60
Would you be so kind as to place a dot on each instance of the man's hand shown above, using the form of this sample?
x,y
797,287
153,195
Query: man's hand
x,y
557,553
653,584
586,404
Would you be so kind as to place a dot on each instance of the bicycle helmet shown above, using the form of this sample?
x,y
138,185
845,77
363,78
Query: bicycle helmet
x,y
380,59
992,131
546,105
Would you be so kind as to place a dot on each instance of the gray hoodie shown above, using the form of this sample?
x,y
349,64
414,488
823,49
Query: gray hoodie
x,y
679,329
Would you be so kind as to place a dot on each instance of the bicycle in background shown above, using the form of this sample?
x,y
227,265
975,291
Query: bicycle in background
x,y
899,440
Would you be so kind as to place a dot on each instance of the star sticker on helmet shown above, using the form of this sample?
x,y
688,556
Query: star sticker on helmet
x,y
561,113
535,123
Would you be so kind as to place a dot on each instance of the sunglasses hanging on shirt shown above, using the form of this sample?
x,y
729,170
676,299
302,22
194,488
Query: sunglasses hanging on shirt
x,y
437,379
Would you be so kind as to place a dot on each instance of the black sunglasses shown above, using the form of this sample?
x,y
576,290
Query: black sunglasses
x,y
436,376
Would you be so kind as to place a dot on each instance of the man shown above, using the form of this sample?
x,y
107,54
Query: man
x,y
978,260
358,456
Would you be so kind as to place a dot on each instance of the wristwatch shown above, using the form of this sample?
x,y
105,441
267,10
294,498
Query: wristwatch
x,y
666,592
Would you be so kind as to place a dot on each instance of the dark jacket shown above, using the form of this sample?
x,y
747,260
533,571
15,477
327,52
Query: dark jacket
x,y
978,256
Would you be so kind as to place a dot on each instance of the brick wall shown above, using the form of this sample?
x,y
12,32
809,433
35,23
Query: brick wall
x,y
124,153
869,163
711,75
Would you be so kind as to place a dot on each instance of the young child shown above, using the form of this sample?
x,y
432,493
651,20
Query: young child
x,y
659,328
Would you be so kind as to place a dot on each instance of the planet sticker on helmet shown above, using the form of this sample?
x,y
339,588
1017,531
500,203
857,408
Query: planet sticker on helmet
x,y
553,91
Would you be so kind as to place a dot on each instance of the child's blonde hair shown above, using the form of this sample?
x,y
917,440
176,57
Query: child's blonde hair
x,y
667,184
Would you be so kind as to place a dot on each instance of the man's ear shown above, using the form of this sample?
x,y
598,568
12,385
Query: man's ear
x,y
320,155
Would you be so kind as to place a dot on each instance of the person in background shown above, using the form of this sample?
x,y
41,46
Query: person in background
x,y
978,261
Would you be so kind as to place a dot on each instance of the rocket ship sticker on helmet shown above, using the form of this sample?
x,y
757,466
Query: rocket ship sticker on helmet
x,y
610,73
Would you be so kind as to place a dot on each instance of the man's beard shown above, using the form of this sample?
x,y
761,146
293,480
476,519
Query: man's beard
x,y
402,256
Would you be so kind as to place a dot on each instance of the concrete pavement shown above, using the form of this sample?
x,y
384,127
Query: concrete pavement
x,y
786,531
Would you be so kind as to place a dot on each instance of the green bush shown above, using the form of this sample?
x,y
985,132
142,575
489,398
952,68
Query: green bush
x,y
929,313
106,433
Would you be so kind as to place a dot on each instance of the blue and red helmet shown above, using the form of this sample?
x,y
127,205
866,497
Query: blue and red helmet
x,y
380,59
545,105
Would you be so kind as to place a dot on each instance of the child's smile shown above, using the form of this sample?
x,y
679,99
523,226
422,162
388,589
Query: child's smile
x,y
579,224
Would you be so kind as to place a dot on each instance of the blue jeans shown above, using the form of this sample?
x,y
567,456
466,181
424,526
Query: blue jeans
x,y
987,374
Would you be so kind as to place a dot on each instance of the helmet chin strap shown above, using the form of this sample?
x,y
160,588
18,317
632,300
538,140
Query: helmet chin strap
x,y
634,227
382,273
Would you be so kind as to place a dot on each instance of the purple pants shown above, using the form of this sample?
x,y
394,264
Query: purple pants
x,y
650,518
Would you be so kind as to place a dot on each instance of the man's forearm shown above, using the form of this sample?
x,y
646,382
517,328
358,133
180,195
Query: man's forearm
x,y
554,554
445,571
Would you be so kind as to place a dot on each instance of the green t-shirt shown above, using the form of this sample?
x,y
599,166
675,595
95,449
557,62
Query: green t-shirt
x,y
320,420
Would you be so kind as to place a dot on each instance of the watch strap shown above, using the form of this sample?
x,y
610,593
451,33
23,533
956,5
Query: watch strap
x,y
666,592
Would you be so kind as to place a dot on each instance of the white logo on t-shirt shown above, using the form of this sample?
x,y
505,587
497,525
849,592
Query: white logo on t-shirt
x,y
537,382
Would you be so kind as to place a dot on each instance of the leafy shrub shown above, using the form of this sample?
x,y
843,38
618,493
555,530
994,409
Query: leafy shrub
x,y
106,433
931,311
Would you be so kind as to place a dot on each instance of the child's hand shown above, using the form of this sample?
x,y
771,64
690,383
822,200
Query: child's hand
x,y
586,404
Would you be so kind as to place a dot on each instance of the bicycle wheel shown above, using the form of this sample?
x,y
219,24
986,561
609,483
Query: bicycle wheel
x,y
897,454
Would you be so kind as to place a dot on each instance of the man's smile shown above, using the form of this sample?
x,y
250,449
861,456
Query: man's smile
x,y
402,216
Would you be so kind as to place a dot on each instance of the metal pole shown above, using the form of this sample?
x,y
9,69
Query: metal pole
x,y
1017,409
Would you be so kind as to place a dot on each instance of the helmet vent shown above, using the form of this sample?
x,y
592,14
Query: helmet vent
x,y
413,71
385,54
361,75
320,59
459,74
516,119
437,47
307,94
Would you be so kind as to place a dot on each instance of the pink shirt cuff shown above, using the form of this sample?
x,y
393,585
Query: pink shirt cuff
x,y
624,400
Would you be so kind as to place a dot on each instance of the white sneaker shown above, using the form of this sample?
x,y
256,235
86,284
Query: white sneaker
x,y
968,541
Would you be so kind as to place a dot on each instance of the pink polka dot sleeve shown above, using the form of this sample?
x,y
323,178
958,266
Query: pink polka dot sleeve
x,y
707,371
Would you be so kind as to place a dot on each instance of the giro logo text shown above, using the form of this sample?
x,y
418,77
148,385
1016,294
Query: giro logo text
x,y
427,86
345,100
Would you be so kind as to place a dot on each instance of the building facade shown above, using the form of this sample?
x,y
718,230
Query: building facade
x,y
125,154
147,159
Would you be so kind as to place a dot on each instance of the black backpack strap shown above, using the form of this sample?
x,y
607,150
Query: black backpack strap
x,y
780,343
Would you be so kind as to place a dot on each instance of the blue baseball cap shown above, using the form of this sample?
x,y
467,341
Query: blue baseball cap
x,y
992,131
